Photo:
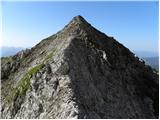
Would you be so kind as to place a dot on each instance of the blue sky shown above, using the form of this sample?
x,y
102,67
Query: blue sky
x,y
134,24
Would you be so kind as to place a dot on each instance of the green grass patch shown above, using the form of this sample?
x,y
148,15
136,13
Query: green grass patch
x,y
24,84
35,69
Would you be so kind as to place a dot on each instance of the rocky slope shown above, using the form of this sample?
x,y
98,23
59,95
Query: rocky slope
x,y
78,73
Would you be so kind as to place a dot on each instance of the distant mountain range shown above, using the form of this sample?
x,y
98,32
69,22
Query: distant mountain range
x,y
8,51
152,61
151,58
146,54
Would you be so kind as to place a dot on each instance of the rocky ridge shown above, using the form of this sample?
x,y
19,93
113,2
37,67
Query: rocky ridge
x,y
78,73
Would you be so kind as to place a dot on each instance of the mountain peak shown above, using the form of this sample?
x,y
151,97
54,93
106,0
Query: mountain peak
x,y
78,73
78,17
77,26
79,20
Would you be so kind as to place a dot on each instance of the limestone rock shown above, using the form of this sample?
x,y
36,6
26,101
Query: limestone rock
x,y
78,73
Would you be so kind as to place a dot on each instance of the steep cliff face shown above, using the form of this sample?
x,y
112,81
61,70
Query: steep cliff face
x,y
78,73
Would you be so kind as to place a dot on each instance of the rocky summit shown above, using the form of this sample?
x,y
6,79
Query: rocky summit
x,y
78,72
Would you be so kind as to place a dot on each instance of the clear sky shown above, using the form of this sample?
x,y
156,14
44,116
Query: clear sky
x,y
134,24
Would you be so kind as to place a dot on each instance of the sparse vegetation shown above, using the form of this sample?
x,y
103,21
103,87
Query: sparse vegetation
x,y
24,83
7,59
35,69
49,56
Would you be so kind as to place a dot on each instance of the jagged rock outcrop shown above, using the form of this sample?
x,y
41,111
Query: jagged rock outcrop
x,y
12,63
78,73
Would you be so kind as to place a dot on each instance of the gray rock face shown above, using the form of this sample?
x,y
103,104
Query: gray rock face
x,y
78,73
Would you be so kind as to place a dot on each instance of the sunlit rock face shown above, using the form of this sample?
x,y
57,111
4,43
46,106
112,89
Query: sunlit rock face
x,y
78,73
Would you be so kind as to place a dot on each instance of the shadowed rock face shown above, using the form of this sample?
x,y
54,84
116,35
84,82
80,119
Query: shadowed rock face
x,y
78,73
